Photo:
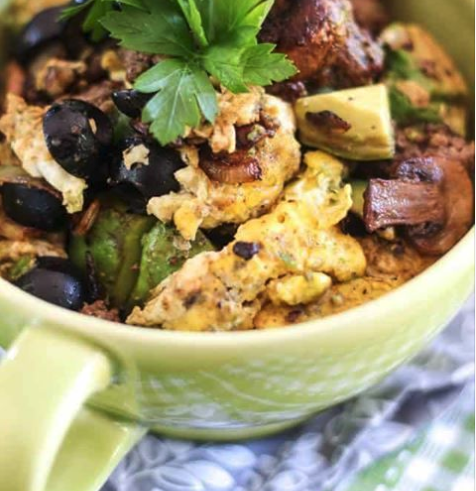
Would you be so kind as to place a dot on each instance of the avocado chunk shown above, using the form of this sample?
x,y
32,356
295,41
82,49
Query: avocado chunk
x,y
131,254
358,191
424,84
354,124
164,252
114,246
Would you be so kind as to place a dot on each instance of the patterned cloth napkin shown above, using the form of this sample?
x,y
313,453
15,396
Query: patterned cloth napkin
x,y
376,442
440,459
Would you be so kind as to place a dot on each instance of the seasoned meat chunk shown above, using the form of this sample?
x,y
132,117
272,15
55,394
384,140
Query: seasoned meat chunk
x,y
370,14
357,63
310,32
322,38
136,63
99,95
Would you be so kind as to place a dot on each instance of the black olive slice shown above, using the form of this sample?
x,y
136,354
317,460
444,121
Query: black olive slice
x,y
78,136
33,206
147,169
56,281
130,102
41,30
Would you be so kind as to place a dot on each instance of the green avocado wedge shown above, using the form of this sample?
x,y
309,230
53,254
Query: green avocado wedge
x,y
358,196
354,124
164,252
114,246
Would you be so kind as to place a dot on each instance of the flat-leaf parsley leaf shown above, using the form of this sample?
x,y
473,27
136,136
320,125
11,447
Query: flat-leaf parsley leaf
x,y
97,10
199,38
184,94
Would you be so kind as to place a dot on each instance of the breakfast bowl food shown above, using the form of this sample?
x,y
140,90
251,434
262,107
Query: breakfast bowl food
x,y
285,291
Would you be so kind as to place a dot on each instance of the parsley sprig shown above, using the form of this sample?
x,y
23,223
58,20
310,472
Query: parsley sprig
x,y
199,39
96,10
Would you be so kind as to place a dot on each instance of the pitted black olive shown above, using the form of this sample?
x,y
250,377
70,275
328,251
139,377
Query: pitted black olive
x,y
147,169
33,206
41,30
58,264
78,136
56,281
130,102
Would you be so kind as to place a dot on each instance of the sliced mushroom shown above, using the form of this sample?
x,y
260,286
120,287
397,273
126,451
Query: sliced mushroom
x,y
396,202
239,167
459,203
431,197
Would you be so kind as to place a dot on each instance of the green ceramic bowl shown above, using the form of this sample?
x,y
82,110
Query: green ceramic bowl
x,y
76,393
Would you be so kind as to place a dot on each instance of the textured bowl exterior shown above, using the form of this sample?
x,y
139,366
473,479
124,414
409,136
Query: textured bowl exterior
x,y
236,385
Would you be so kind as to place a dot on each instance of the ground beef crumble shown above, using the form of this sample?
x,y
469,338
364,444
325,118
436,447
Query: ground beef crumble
x,y
435,140
100,310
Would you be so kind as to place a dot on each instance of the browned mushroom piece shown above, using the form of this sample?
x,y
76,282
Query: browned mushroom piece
x,y
431,197
358,62
392,203
459,204
239,167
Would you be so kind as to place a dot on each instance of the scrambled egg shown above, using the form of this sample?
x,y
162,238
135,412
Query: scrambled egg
x,y
205,203
389,265
23,127
289,256
7,157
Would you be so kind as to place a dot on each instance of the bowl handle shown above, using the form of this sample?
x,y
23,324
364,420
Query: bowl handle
x,y
48,439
